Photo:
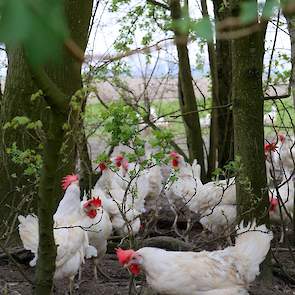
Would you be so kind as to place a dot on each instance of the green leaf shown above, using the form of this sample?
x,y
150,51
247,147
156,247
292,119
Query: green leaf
x,y
203,28
15,21
19,120
7,125
248,11
39,26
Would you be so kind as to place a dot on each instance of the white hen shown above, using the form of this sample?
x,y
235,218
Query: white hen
x,y
69,233
282,203
284,157
216,202
187,183
108,179
148,185
124,218
98,235
270,118
224,272
159,121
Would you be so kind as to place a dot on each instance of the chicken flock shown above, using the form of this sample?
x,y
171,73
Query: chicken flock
x,y
118,200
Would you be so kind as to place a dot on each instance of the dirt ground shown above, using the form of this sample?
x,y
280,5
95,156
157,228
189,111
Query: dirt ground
x,y
13,282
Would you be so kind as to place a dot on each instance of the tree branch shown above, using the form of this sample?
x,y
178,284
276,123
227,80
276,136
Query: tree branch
x,y
156,3
54,97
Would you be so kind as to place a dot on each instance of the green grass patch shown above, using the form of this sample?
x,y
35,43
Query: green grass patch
x,y
284,118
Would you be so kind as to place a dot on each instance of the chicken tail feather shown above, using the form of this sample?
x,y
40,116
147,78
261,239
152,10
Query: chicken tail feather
x,y
28,230
252,244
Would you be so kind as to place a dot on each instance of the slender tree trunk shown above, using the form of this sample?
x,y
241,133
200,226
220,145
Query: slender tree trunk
x,y
291,28
49,182
224,78
212,157
187,98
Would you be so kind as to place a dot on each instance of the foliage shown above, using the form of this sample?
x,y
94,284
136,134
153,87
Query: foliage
x,y
121,122
29,159
23,121
229,170
37,25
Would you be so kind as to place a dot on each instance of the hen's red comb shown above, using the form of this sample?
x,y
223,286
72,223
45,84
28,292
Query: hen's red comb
x,y
96,202
124,255
68,180
270,147
102,166
174,154
118,160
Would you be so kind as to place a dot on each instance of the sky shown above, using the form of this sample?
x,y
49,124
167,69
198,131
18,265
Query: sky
x,y
106,30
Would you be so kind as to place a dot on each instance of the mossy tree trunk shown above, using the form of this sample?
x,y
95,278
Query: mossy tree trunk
x,y
224,78
247,98
16,101
58,89
187,98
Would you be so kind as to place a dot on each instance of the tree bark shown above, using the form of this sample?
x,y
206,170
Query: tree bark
x,y
224,78
46,204
213,147
187,98
291,28
78,13
18,193
247,98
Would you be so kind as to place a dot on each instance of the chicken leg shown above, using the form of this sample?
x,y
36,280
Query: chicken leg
x,y
98,268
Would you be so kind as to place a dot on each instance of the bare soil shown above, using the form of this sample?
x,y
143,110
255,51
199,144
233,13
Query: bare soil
x,y
13,282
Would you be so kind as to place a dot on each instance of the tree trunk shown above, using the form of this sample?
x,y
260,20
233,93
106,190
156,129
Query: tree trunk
x,y
187,98
16,102
67,77
224,77
212,157
247,98
291,28
47,202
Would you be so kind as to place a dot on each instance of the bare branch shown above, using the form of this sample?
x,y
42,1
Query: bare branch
x,y
156,3
53,95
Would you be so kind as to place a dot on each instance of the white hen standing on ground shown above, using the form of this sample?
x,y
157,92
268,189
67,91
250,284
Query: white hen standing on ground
x,y
98,235
223,272
148,186
215,201
69,233
187,183
123,215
